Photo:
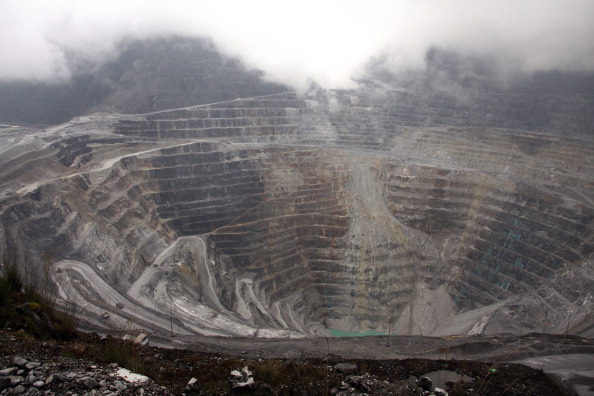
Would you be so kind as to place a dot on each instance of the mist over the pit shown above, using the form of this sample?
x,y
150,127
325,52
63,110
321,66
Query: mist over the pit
x,y
296,42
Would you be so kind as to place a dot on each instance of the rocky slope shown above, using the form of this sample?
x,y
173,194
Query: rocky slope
x,y
285,215
33,367
63,376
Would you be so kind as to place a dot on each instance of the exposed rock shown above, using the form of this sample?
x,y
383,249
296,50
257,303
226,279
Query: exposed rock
x,y
120,386
254,211
241,379
16,379
193,387
387,377
91,383
440,392
53,378
38,384
131,377
8,371
369,384
141,339
19,361
62,375
32,365
346,368
424,383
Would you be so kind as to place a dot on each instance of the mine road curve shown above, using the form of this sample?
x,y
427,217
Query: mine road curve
x,y
82,290
122,319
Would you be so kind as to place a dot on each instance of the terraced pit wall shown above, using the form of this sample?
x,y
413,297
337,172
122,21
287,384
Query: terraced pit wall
x,y
316,217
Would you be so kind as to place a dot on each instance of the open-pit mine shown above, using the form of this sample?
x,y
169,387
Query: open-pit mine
x,y
196,198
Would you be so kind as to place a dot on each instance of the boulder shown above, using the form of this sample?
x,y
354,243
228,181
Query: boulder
x,y
193,387
424,383
346,368
241,379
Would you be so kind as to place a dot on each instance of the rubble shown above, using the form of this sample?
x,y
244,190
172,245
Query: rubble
x,y
35,367
61,375
243,379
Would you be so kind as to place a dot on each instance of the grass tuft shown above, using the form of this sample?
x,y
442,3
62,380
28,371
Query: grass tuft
x,y
10,281
29,307
114,350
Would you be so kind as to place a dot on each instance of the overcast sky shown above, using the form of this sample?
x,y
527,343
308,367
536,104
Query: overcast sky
x,y
292,41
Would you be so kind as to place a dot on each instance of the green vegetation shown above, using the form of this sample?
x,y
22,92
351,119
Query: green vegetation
x,y
340,333
107,350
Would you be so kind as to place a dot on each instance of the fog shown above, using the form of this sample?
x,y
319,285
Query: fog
x,y
295,42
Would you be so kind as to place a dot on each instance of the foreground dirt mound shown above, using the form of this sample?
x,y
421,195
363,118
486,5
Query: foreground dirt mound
x,y
77,366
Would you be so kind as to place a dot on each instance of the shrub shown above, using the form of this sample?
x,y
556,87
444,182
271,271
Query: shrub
x,y
40,317
11,275
115,350
4,292
9,282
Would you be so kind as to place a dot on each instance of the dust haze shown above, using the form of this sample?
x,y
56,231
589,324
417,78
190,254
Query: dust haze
x,y
296,42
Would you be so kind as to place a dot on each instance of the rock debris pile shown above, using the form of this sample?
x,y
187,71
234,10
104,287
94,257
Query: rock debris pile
x,y
65,376
34,367
371,385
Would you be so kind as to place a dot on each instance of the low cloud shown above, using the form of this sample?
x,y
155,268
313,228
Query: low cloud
x,y
298,41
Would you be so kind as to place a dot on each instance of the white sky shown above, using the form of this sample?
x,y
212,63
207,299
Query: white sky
x,y
293,41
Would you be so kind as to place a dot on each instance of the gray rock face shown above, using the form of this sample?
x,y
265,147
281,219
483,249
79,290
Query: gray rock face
x,y
281,215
